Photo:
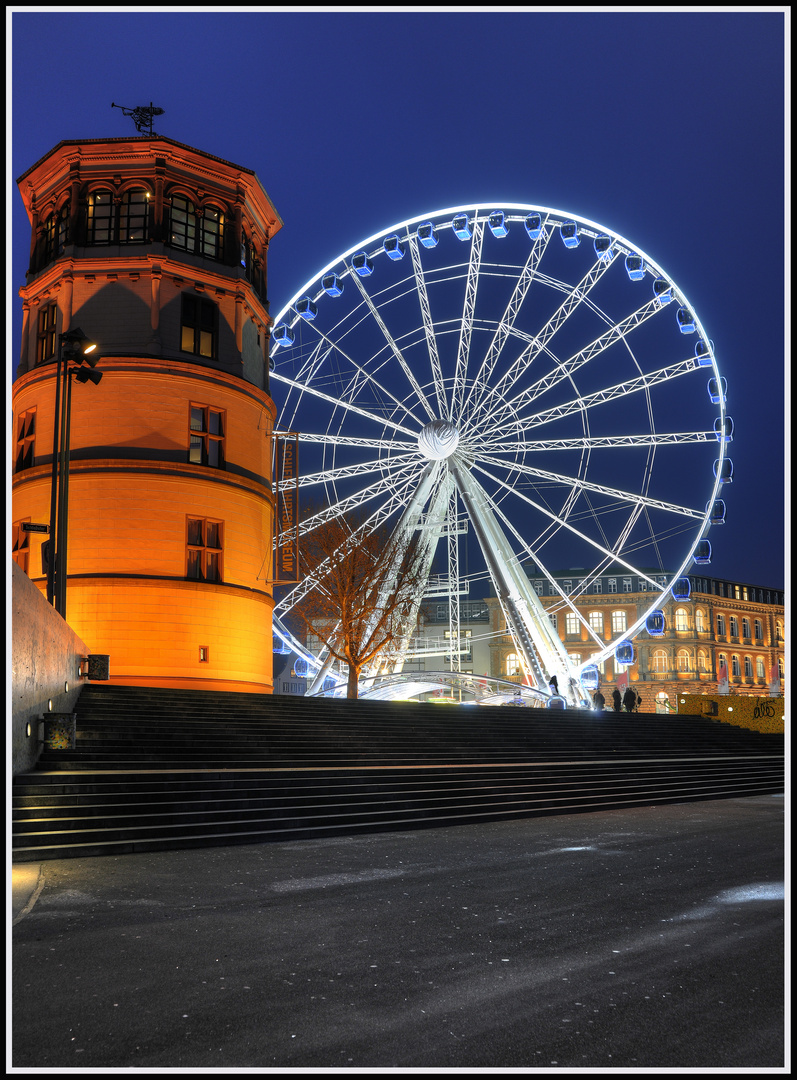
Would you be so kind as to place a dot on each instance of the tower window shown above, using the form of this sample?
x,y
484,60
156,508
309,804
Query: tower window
x,y
20,545
211,233
26,440
199,327
206,436
182,224
134,217
204,549
100,218
45,332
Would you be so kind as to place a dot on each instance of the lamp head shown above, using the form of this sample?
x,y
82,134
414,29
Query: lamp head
x,y
86,373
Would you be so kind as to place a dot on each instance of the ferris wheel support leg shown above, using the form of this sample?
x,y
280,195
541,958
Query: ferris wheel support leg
x,y
542,651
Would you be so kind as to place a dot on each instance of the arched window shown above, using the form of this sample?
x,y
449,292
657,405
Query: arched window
x,y
759,667
596,621
512,665
182,223
748,667
100,228
759,630
681,619
682,661
721,625
702,661
619,622
736,668
779,630
571,624
700,620
212,233
659,662
134,217
734,626
746,627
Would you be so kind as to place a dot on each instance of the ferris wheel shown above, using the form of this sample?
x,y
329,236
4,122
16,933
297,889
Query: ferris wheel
x,y
532,395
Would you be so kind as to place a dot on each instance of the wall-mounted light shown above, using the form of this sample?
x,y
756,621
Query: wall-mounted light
x,y
50,705
28,729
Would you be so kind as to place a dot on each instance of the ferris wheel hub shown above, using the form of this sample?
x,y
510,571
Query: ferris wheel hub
x,y
438,440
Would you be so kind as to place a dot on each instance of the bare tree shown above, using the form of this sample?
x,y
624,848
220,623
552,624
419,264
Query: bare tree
x,y
365,583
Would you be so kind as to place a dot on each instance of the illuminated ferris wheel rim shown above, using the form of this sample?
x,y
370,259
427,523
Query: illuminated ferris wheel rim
x,y
429,444
516,212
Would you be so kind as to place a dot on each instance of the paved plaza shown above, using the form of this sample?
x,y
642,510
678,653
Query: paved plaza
x,y
627,939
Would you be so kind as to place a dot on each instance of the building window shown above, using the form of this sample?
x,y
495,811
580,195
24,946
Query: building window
x,y
780,667
681,619
779,630
134,217
612,585
26,440
204,544
100,218
46,332
552,590
512,665
598,586
748,667
700,620
571,624
737,593
568,587
596,621
199,324
759,667
759,630
659,662
735,666
721,625
55,234
734,626
682,661
746,628
182,224
211,234
206,436
204,654
626,584
619,622
20,545
538,588
702,661
574,658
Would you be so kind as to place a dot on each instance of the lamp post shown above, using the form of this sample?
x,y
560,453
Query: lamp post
x,y
74,347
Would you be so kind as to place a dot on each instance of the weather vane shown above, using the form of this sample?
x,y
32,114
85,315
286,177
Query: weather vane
x,y
142,116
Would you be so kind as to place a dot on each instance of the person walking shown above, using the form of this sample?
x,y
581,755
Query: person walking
x,y
629,700
598,700
616,700
638,701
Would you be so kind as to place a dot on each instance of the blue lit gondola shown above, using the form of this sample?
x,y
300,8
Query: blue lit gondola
x,y
533,225
461,227
301,668
283,335
681,589
603,247
662,290
590,678
716,514
426,235
703,552
717,389
723,429
725,475
624,653
306,308
569,234
393,248
686,321
332,285
556,702
655,623
497,223
704,351
361,264
635,267
329,684
281,648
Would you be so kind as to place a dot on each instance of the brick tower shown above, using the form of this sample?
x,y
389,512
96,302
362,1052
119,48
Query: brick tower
x,y
157,252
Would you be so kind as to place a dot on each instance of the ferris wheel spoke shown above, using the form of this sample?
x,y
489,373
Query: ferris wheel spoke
x,y
600,489
601,397
578,295
348,406
386,445
363,468
466,323
507,322
594,442
428,325
380,322
614,555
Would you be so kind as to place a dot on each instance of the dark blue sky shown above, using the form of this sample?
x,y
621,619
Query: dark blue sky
x,y
667,127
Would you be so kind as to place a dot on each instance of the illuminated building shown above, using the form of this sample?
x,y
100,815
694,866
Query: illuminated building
x,y
158,252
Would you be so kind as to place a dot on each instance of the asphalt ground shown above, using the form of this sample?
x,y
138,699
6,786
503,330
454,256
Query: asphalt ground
x,y
650,938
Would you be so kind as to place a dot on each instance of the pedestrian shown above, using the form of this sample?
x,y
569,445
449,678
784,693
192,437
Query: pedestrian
x,y
598,700
638,701
616,699
554,685
629,700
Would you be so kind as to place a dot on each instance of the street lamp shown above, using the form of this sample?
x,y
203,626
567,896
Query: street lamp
x,y
74,348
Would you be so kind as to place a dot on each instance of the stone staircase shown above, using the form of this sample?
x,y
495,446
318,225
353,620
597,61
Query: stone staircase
x,y
163,769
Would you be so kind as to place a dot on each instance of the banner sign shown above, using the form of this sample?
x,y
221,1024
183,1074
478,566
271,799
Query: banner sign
x,y
286,518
